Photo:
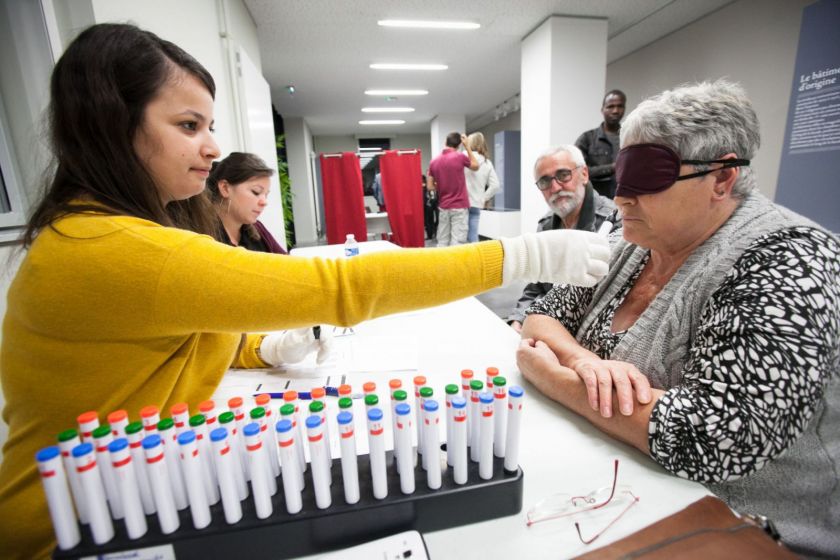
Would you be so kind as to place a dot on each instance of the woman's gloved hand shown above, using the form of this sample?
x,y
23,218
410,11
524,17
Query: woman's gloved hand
x,y
569,256
292,346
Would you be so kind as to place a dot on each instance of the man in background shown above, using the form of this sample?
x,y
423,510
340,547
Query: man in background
x,y
446,177
563,179
601,144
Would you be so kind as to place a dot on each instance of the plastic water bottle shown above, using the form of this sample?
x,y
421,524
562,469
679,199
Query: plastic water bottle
x,y
351,248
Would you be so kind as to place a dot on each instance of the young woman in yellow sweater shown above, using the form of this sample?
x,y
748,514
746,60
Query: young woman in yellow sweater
x,y
120,304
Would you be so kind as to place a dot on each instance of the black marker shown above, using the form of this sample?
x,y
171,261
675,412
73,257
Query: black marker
x,y
317,332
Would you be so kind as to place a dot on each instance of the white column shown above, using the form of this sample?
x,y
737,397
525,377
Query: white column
x,y
564,66
298,150
441,126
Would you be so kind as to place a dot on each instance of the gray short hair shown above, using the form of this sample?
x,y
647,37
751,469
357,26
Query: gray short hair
x,y
571,149
699,121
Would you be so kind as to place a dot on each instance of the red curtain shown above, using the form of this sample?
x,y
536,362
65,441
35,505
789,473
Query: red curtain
x,y
344,206
402,186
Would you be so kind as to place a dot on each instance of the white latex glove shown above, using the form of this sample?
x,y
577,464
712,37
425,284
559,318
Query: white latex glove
x,y
292,346
569,256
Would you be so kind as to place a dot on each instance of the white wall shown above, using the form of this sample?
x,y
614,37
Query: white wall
x,y
753,42
194,26
299,146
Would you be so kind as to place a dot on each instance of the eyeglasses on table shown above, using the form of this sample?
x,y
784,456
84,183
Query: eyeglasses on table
x,y
616,498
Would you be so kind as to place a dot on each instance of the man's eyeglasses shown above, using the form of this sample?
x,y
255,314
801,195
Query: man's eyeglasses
x,y
616,499
561,176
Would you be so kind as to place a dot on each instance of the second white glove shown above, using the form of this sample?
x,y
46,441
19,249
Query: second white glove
x,y
569,256
292,346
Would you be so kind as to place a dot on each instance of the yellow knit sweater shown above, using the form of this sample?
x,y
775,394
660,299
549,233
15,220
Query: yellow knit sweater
x,y
113,313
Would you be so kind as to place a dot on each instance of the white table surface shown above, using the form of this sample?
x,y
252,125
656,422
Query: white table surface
x,y
560,452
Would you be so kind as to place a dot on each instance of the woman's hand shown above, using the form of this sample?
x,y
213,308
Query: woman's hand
x,y
602,376
540,366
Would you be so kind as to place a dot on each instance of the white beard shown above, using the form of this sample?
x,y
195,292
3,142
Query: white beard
x,y
564,203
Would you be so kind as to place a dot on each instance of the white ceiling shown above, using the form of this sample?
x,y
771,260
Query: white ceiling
x,y
324,47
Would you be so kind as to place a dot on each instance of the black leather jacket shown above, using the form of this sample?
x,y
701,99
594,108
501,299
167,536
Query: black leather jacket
x,y
600,152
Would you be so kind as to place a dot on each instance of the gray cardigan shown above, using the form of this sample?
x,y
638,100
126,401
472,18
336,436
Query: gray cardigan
x,y
800,489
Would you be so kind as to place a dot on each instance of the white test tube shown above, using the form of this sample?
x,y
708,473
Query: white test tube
x,y
466,378
67,440
474,418
101,439
319,461
269,444
227,465
101,526
226,421
181,416
419,383
319,395
287,412
208,409
451,391
459,440
264,400
402,447
499,415
376,445
491,373
134,434
431,421
169,440
126,479
349,461
316,408
118,420
393,386
59,502
260,471
291,397
485,436
514,420
286,444
88,421
159,481
193,478
205,458
150,416
237,407
425,395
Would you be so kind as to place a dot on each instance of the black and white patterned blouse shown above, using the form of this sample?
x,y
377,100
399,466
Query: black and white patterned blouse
x,y
772,328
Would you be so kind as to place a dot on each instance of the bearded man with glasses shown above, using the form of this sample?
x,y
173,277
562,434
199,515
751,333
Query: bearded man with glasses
x,y
716,333
561,175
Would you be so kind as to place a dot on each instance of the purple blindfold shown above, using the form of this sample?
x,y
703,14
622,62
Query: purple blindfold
x,y
652,168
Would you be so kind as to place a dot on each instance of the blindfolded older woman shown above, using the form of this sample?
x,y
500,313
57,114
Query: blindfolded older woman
x,y
716,333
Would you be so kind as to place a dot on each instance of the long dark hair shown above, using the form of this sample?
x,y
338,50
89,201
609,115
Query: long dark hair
x,y
237,168
99,91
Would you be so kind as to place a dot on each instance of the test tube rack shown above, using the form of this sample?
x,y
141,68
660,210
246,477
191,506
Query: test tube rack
x,y
313,530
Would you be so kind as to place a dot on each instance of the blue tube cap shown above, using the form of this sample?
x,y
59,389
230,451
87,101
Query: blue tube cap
x,y
344,417
403,409
82,449
516,391
374,414
152,441
459,402
47,454
313,421
283,426
430,406
118,445
186,437
218,434
251,429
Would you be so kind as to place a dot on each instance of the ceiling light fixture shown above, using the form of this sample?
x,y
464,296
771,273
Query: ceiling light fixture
x,y
387,109
394,121
390,66
428,24
387,92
